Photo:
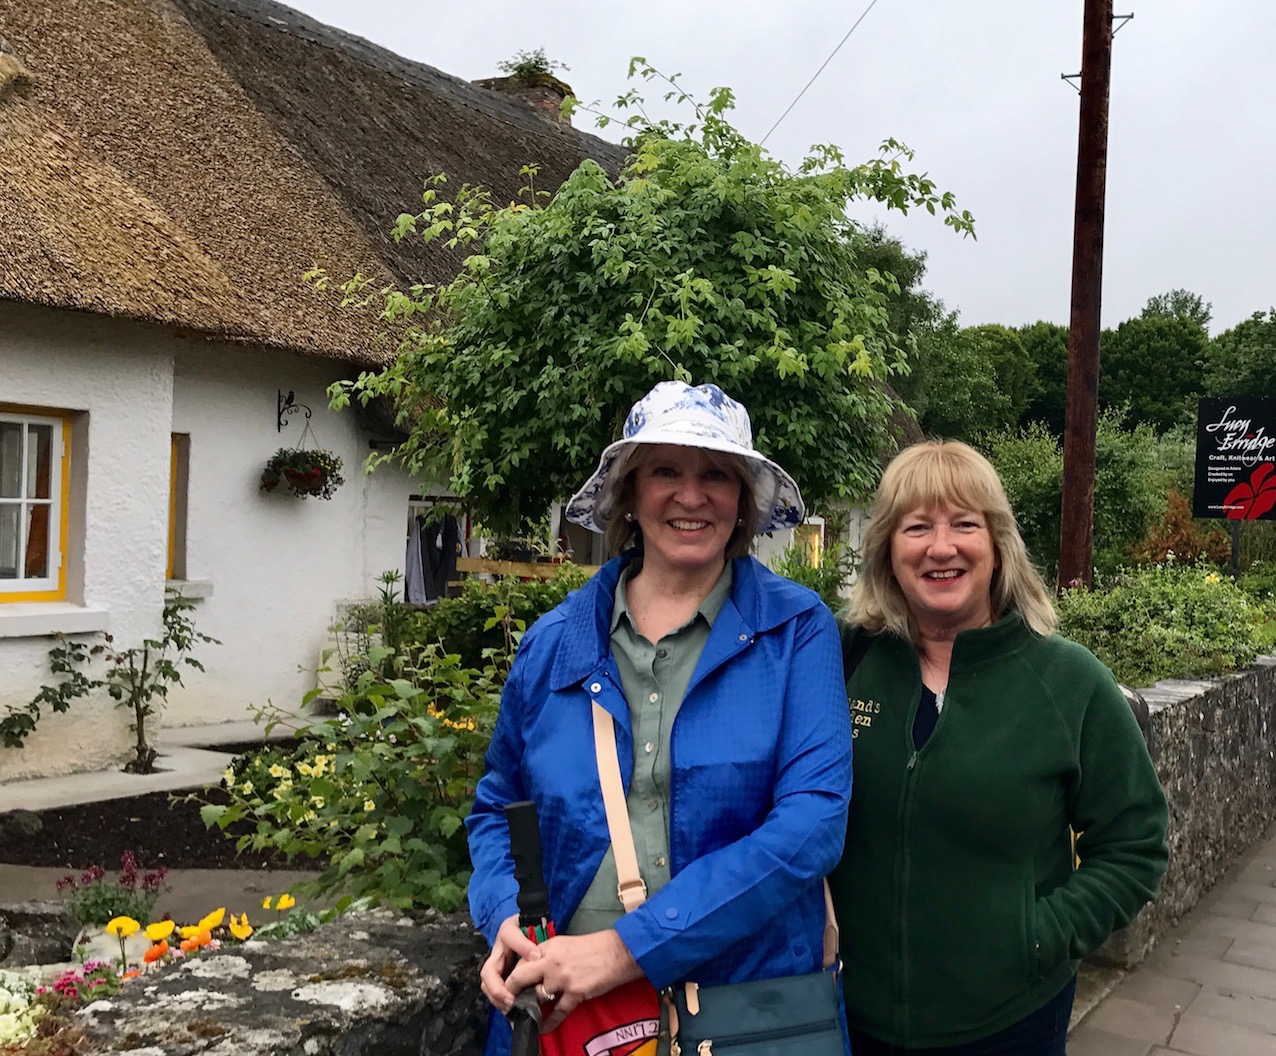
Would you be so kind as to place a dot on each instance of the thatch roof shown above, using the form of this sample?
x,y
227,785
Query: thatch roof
x,y
184,161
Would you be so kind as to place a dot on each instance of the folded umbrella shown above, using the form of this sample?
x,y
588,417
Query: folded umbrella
x,y
533,916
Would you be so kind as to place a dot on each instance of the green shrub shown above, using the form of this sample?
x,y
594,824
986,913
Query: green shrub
x,y
1259,580
1130,488
1165,621
463,625
837,562
382,788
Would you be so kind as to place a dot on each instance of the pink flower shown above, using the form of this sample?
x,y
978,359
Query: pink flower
x,y
128,869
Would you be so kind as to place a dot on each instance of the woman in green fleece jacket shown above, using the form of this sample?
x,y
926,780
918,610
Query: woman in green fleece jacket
x,y
981,740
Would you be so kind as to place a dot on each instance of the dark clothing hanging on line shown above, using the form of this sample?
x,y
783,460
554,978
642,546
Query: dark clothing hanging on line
x,y
436,545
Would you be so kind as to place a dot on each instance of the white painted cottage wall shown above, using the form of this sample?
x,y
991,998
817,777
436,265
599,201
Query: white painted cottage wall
x,y
121,377
278,565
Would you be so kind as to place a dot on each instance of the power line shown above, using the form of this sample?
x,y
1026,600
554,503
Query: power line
x,y
853,28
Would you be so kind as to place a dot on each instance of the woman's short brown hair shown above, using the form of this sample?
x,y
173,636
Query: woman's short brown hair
x,y
622,534
926,475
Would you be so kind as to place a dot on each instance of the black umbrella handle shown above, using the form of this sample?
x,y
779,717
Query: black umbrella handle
x,y
525,849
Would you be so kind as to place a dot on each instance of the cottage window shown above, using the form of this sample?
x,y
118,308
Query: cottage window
x,y
33,498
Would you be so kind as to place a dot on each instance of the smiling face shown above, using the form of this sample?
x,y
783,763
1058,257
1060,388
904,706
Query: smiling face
x,y
686,504
943,559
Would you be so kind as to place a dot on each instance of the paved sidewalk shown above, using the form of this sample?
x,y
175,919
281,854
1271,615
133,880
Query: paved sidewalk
x,y
1209,988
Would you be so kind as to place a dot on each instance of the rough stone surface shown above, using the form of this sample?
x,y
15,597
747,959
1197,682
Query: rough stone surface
x,y
383,983
1214,745
35,933
19,825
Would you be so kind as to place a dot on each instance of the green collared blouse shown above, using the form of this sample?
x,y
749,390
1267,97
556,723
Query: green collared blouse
x,y
654,679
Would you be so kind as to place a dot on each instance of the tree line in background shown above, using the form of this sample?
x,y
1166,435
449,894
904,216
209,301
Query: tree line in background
x,y
1004,390
706,259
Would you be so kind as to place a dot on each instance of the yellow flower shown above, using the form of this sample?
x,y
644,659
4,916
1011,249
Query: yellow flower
x,y
318,801
122,927
285,901
161,929
228,775
239,927
276,770
309,816
189,931
213,920
321,764
246,788
369,806
1213,577
305,769
265,902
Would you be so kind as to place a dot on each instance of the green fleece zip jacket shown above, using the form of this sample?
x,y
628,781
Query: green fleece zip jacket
x,y
959,905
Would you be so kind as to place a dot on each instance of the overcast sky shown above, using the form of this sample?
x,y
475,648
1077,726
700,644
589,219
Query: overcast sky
x,y
973,86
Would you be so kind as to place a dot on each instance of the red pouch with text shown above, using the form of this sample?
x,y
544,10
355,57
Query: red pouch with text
x,y
621,1022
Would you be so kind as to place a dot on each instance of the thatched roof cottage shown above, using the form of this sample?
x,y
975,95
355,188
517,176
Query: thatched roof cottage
x,y
168,170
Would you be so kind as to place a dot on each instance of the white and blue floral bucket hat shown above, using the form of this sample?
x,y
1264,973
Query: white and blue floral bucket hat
x,y
688,416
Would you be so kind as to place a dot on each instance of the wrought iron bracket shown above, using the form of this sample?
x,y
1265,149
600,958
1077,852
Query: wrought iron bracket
x,y
287,405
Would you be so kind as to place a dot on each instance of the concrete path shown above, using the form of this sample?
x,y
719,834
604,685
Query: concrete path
x,y
1209,989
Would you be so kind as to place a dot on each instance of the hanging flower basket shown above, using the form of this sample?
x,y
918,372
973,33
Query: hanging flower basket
x,y
304,473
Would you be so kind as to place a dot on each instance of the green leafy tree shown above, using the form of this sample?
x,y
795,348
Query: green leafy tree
x,y
1009,362
1155,366
909,307
952,388
1242,360
1179,304
705,260
1047,347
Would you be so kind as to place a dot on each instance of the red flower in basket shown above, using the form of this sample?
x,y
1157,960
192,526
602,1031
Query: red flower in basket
x,y
304,472
1252,498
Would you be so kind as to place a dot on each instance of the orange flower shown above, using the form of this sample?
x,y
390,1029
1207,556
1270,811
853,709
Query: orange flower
x,y
196,941
132,973
156,952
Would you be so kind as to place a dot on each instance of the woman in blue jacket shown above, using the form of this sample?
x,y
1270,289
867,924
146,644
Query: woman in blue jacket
x,y
724,681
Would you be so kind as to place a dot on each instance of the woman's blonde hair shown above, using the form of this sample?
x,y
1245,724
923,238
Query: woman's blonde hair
x,y
620,533
951,473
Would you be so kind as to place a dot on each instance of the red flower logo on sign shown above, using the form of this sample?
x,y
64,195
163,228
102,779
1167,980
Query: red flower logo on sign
x,y
1253,498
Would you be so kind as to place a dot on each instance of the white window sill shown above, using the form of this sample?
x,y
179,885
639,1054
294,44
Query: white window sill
x,y
34,619
190,588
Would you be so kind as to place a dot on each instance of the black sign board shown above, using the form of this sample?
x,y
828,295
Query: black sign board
x,y
1235,459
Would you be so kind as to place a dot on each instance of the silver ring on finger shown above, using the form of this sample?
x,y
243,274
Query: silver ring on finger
x,y
545,996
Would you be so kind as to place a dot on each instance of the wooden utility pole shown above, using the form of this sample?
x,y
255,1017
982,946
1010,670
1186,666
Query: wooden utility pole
x,y
1076,537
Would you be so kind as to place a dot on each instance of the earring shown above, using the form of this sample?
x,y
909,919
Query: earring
x,y
629,518
739,521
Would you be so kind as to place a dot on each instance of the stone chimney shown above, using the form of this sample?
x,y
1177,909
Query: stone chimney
x,y
543,92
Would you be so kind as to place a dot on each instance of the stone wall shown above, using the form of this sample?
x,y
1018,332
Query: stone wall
x,y
1214,745
375,984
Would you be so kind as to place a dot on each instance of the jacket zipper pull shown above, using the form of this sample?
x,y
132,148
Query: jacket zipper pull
x,y
912,761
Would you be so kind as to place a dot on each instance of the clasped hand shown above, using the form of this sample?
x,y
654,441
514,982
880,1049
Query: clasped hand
x,y
572,968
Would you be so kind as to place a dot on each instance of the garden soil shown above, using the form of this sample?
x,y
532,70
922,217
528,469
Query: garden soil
x,y
161,828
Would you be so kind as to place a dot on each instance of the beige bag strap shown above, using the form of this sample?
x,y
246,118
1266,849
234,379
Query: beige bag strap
x,y
831,932
631,888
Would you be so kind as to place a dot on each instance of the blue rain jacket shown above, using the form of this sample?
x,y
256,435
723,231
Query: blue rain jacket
x,y
761,781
